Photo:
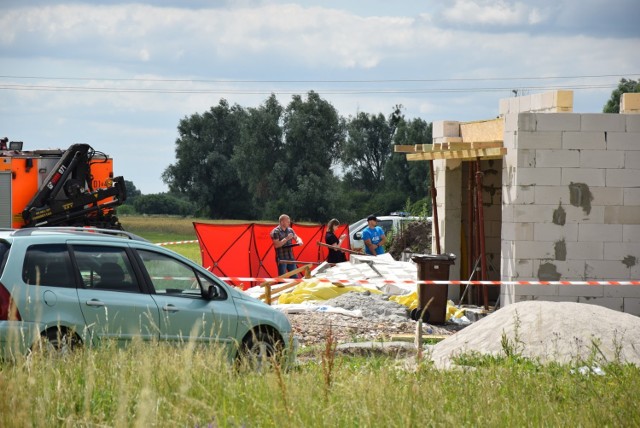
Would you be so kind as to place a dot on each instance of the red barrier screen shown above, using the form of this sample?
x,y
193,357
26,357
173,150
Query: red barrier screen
x,y
246,250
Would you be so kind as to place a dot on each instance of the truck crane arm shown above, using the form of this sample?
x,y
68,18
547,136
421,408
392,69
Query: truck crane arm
x,y
67,197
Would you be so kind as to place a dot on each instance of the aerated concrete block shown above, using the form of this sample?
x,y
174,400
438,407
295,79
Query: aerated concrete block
x,y
631,197
533,213
631,305
607,270
623,141
554,232
622,177
610,122
540,176
518,195
539,140
584,140
632,160
518,231
536,290
627,253
621,215
534,250
631,233
602,158
607,196
558,122
446,128
616,304
588,176
527,122
600,232
582,291
551,194
557,158
633,122
624,291
585,251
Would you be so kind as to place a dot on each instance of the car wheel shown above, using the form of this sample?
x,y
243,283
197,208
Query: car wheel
x,y
260,351
57,342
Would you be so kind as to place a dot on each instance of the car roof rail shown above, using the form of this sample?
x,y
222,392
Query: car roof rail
x,y
111,232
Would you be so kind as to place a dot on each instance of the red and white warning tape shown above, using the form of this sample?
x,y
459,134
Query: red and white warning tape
x,y
193,241
415,282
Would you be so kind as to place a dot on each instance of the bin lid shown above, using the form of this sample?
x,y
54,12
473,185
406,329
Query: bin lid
x,y
433,257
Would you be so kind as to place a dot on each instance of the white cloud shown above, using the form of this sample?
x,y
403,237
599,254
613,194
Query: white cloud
x,y
281,46
491,12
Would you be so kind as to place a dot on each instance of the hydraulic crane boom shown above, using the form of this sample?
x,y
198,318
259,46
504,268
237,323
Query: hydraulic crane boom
x,y
67,196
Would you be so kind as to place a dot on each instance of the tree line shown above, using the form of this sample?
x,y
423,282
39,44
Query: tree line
x,y
303,159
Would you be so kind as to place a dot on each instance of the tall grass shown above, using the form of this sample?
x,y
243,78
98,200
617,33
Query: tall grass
x,y
151,384
156,384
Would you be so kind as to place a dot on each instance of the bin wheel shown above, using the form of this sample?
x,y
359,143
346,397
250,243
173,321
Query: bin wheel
x,y
416,312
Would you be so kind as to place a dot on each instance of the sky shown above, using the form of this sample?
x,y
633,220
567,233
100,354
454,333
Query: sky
x,y
120,76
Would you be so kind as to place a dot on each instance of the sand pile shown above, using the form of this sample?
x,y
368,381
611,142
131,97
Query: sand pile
x,y
549,331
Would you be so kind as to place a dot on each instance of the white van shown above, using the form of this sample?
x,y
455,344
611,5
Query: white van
x,y
388,223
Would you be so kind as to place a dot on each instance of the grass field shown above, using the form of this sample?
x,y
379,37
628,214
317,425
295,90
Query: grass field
x,y
166,386
168,229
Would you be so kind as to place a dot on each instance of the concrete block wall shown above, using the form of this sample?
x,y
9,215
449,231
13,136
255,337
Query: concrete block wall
x,y
571,205
448,181
451,179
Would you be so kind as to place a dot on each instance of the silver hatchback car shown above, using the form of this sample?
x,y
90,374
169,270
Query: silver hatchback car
x,y
67,287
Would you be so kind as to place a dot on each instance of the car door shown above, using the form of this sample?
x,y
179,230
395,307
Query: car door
x,y
186,313
112,300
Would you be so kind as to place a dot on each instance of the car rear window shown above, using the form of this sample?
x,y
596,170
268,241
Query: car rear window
x,y
4,253
48,265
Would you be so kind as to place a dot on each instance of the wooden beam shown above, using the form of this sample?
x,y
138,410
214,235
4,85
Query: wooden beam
x,y
486,144
470,154
404,148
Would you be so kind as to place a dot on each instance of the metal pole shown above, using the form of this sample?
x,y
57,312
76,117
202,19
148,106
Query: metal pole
x,y
483,256
434,207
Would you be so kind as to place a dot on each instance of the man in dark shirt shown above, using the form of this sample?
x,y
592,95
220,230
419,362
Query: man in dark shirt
x,y
284,239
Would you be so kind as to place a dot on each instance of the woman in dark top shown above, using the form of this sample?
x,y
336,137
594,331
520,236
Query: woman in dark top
x,y
335,256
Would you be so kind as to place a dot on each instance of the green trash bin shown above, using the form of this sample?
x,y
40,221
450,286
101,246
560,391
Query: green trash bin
x,y
432,267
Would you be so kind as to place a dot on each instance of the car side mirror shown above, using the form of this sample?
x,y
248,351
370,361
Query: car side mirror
x,y
357,236
213,292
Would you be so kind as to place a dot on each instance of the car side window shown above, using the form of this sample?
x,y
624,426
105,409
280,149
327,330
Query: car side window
x,y
170,276
105,268
386,225
48,265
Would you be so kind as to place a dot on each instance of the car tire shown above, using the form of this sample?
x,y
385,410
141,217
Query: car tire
x,y
57,342
260,351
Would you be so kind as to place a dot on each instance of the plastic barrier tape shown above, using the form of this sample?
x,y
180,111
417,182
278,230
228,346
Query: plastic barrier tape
x,y
452,282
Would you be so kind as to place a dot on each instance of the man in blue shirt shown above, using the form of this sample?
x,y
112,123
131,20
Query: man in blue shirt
x,y
373,237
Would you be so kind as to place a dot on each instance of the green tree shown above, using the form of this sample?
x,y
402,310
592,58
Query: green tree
x,y
261,145
301,172
203,169
625,86
410,179
132,190
164,204
368,148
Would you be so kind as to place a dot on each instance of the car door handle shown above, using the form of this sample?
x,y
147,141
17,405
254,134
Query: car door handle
x,y
94,302
170,308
